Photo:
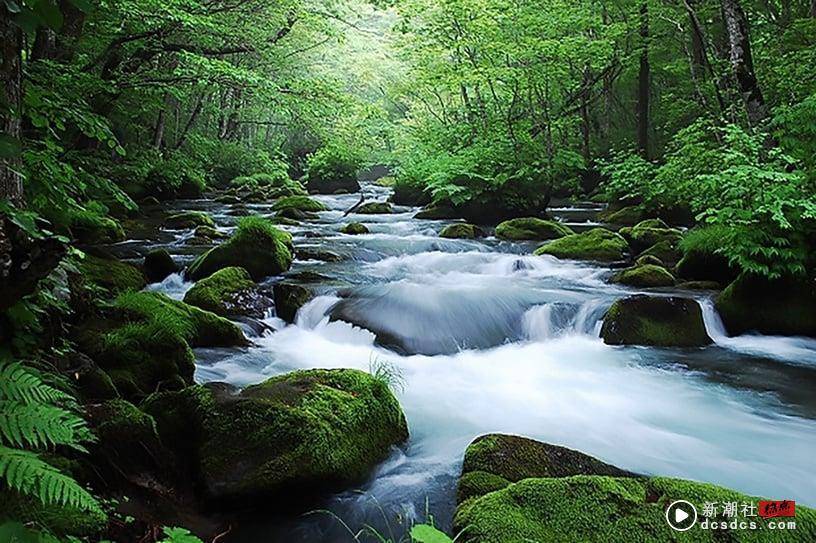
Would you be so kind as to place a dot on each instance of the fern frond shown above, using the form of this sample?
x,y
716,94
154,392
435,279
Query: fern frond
x,y
22,384
26,473
39,425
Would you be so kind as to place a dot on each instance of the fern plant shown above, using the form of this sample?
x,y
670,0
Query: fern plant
x,y
36,417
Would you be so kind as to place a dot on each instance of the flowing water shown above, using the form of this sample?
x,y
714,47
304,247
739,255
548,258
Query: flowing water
x,y
488,338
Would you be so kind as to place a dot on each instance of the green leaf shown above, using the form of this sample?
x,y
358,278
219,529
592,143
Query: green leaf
x,y
425,533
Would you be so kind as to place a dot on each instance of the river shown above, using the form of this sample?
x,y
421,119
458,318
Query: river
x,y
488,338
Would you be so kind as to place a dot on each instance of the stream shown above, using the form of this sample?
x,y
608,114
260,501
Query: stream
x,y
488,338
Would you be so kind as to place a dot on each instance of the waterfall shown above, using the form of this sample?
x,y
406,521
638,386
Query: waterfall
x,y
551,320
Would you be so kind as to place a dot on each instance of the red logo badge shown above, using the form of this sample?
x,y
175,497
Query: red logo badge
x,y
784,508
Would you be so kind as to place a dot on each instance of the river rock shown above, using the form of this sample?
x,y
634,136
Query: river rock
x,y
597,244
204,235
666,251
301,203
652,320
294,436
108,273
647,233
648,259
92,229
229,291
785,306
158,264
289,298
354,228
410,194
256,246
462,231
644,276
531,228
437,213
296,214
314,253
374,208
626,216
188,219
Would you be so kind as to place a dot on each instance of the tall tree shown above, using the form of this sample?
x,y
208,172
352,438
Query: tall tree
x,y
742,62
644,83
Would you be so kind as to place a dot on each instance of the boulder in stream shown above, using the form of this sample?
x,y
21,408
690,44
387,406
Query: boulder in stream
x,y
289,298
158,264
256,246
374,208
354,228
437,213
301,203
294,435
229,291
532,228
597,244
462,231
625,216
663,321
647,233
188,219
644,276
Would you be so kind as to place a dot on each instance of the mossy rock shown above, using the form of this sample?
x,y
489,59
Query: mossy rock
x,y
354,228
785,306
666,251
127,437
493,458
409,194
296,214
649,232
596,508
222,292
310,253
187,220
289,298
374,208
307,276
302,203
92,382
93,229
626,216
433,213
699,285
644,276
143,341
256,246
205,235
531,228
462,231
158,264
294,435
597,244
110,274
652,320
648,259
228,199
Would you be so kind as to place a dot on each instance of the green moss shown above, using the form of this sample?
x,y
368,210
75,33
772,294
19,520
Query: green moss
x,y
256,245
462,231
62,522
627,216
437,213
597,244
660,321
785,306
188,219
374,208
531,228
666,251
478,483
644,276
354,228
127,436
110,274
218,292
303,430
648,259
649,232
699,285
94,228
303,203
603,509
295,214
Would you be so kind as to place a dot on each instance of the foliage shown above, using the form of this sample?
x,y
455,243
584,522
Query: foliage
x,y
334,161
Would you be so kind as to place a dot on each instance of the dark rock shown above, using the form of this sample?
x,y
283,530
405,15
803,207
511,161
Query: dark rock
x,y
437,213
158,264
188,219
652,320
312,253
289,298
354,228
374,208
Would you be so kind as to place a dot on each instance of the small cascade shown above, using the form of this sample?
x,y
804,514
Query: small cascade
x,y
713,323
551,320
174,286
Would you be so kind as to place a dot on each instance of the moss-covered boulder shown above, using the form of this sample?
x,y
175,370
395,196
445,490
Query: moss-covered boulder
x,y
374,208
206,235
595,508
256,246
644,276
785,306
437,213
158,264
289,298
302,203
110,274
294,435
127,437
187,220
666,251
626,216
649,232
229,291
531,228
296,214
143,341
227,199
699,285
493,461
652,320
462,231
597,244
702,257
354,228
93,229
648,259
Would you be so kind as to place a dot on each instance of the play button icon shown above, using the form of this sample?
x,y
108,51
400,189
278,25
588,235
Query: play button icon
x,y
681,515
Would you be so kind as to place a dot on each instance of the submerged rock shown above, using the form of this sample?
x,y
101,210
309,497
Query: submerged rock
x,y
354,228
462,231
597,244
158,264
289,298
644,276
188,219
655,320
295,435
256,246
229,291
374,208
301,203
531,228
784,306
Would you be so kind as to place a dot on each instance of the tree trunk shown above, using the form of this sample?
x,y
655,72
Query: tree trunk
x,y
644,86
742,63
11,184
